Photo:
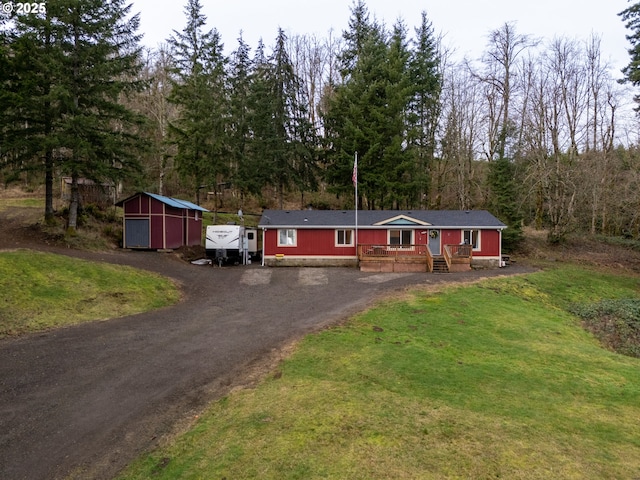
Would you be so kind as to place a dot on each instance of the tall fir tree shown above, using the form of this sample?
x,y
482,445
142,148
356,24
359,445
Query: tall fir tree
x,y
200,92
358,33
400,170
72,64
423,112
367,114
5,95
100,55
282,145
30,112
346,106
631,17
262,147
295,137
240,73
503,201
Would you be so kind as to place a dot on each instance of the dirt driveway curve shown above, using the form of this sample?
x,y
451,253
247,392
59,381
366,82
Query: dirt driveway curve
x,y
82,402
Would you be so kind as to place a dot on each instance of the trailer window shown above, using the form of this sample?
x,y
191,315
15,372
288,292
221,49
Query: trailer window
x,y
287,237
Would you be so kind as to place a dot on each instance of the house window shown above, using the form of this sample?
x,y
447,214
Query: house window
x,y
471,237
401,237
344,238
287,237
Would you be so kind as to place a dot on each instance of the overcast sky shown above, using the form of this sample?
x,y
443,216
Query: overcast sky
x,y
464,23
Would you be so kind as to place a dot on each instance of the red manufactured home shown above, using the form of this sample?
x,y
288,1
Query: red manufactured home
x,y
383,240
157,222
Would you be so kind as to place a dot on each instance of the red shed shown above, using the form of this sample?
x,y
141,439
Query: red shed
x,y
156,222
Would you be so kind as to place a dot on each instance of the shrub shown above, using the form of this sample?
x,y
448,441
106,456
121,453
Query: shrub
x,y
616,323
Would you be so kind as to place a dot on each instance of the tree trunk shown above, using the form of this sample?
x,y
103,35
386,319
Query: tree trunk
x,y
48,196
74,204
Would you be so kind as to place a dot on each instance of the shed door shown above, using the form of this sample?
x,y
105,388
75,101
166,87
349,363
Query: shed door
x,y
136,233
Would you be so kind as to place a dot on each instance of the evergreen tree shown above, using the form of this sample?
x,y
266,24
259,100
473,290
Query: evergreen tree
x,y
359,32
200,90
283,140
347,106
631,17
72,64
400,172
100,61
29,112
424,107
503,201
367,114
294,163
262,148
240,72
5,96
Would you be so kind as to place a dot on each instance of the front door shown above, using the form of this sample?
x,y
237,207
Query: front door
x,y
434,242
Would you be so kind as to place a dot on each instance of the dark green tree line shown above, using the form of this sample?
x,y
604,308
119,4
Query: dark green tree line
x,y
514,132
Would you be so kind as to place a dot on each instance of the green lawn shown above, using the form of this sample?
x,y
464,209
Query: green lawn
x,y
21,202
494,380
40,291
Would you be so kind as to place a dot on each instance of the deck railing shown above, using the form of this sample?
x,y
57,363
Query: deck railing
x,y
457,254
453,254
389,251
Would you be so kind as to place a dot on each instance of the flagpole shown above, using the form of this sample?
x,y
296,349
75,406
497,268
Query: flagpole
x,y
355,184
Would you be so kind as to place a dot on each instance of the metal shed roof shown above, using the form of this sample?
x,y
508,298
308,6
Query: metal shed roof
x,y
379,218
173,202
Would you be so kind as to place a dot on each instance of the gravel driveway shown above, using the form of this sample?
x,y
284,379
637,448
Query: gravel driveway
x,y
84,401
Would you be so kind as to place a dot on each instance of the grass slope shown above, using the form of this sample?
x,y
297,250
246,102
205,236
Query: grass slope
x,y
40,291
494,380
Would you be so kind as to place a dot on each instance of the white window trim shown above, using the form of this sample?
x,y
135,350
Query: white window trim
x,y
350,244
402,246
478,247
295,237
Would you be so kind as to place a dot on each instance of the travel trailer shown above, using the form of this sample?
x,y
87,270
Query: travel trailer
x,y
231,244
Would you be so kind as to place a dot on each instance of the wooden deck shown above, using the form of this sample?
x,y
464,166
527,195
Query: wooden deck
x,y
413,258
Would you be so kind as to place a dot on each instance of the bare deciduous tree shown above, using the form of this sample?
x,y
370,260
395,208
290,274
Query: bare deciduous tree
x,y
153,103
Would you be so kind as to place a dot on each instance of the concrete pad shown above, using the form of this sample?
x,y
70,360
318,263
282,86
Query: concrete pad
x,y
256,277
313,276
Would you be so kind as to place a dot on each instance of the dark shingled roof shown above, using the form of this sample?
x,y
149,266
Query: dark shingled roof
x,y
370,218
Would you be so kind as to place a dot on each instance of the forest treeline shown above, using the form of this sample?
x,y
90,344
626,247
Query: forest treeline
x,y
533,131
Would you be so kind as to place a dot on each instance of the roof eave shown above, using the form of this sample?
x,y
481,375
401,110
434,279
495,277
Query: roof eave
x,y
386,227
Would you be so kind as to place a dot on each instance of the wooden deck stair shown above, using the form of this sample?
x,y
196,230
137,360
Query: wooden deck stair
x,y
440,265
